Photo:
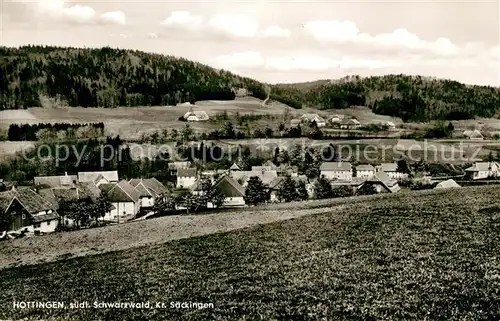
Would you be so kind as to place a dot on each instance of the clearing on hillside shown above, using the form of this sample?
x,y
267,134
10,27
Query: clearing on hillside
x,y
408,257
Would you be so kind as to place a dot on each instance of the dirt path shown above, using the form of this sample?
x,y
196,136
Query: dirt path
x,y
121,237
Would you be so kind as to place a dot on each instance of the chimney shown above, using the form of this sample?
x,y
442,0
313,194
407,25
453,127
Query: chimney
x,y
65,173
13,188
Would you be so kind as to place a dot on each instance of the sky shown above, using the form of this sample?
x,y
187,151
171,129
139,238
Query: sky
x,y
279,41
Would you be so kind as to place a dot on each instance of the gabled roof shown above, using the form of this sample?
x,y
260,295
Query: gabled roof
x,y
365,168
54,181
48,194
29,199
235,167
266,176
186,172
350,121
388,167
148,186
111,176
229,186
270,164
383,179
120,192
483,167
336,166
473,133
200,114
80,191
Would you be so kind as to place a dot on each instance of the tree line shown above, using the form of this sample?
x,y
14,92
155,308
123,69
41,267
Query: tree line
x,y
29,132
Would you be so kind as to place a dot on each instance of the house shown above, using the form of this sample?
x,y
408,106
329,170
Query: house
x,y
390,125
482,170
28,211
294,123
125,199
186,177
447,184
381,182
214,174
242,177
391,169
55,181
320,121
351,123
235,167
197,115
473,134
234,193
336,170
276,183
150,189
98,177
365,171
173,167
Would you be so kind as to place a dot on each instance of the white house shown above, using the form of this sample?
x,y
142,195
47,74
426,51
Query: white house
x,y
350,124
482,170
125,199
98,177
320,121
186,177
150,189
295,122
336,170
391,169
390,124
234,193
473,134
197,115
28,211
365,171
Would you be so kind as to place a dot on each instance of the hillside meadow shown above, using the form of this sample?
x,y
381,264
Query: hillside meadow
x,y
416,256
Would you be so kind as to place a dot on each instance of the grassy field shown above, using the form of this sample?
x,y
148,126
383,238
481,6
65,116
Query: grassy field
x,y
406,257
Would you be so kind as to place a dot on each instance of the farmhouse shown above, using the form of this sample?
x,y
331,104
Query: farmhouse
x,y
28,211
124,198
381,183
473,134
150,189
186,177
391,169
98,178
365,171
320,121
243,176
55,181
234,193
336,170
336,119
350,124
482,170
197,115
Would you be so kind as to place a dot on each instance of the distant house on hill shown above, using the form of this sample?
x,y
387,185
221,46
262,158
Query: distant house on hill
x,y
390,124
233,191
381,183
365,171
55,181
98,177
336,170
28,211
125,199
186,177
482,170
473,134
294,123
351,123
309,118
197,115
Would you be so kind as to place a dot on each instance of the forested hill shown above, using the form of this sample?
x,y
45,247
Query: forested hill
x,y
110,77
409,97
114,77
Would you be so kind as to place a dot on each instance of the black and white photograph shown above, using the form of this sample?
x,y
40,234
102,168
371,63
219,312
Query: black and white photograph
x,y
249,160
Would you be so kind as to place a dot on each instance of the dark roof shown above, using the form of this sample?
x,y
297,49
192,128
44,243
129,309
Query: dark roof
x,y
111,176
229,187
30,200
155,186
55,181
48,194
121,192
186,172
105,188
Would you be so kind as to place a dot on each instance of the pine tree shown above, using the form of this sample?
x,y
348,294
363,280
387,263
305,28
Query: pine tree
x,y
255,192
322,188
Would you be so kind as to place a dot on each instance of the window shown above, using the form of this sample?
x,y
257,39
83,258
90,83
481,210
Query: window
x,y
48,223
37,225
23,216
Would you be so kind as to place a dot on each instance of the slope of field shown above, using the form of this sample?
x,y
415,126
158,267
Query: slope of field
x,y
406,257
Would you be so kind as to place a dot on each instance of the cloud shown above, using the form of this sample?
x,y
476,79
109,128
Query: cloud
x,y
113,17
240,60
183,20
152,35
233,25
275,32
60,10
347,32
